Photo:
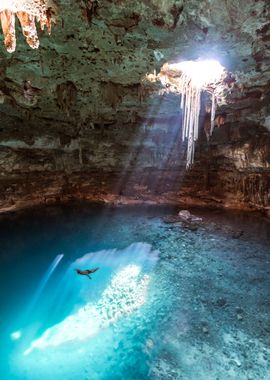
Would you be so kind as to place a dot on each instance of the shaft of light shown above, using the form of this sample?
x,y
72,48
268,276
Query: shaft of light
x,y
46,278
125,294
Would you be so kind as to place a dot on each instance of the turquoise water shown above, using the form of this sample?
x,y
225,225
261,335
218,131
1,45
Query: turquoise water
x,y
166,303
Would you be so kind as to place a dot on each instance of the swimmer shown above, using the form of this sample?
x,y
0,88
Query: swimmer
x,y
86,272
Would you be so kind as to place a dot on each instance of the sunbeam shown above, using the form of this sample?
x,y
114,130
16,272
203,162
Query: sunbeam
x,y
126,293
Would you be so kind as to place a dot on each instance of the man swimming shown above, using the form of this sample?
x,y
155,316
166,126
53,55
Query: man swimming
x,y
86,272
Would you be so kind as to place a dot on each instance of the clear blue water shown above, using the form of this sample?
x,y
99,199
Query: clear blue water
x,y
166,303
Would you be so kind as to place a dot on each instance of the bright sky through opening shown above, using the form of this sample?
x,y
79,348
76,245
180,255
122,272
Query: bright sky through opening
x,y
201,73
194,77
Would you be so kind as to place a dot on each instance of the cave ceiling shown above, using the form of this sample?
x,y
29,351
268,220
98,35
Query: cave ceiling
x,y
91,69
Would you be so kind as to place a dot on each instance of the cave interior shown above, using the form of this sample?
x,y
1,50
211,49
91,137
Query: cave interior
x,y
135,151
86,113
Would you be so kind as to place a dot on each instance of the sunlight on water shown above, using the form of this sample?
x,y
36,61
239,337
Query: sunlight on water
x,y
176,311
45,280
116,291
126,293
15,335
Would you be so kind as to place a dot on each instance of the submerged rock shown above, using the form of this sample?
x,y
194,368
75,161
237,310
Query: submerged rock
x,y
221,302
190,226
171,219
237,234
205,328
184,219
185,215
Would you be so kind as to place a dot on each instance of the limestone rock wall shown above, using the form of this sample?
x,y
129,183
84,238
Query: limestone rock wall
x,y
134,163
77,120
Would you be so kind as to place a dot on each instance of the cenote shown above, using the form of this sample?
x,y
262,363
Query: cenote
x,y
134,190
168,302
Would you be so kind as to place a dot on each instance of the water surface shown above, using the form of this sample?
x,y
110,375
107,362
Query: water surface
x,y
166,303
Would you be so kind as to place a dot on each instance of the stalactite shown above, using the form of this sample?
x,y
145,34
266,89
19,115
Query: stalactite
x,y
213,113
111,93
29,30
80,151
190,79
28,12
191,105
8,26
66,96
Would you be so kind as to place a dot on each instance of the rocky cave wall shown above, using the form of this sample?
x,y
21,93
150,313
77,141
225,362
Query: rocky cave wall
x,y
77,121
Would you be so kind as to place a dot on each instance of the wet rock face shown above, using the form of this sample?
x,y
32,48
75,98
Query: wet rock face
x,y
77,121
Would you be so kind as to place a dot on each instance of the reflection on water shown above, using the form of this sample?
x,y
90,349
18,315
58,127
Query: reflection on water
x,y
185,305
117,290
125,293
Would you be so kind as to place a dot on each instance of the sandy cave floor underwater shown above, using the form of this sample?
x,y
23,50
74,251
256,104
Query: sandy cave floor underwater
x,y
166,303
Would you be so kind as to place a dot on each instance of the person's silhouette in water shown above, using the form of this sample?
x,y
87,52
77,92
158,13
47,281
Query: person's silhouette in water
x,y
86,272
